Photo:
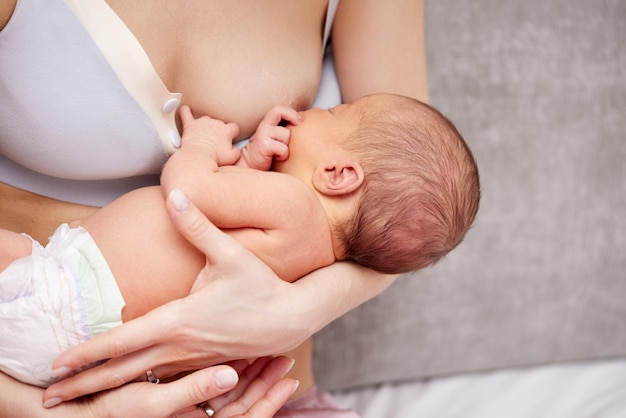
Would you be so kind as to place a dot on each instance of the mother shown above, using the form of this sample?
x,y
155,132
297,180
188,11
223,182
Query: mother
x,y
88,98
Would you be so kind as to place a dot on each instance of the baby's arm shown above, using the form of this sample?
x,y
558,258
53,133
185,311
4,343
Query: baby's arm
x,y
276,216
270,140
206,145
12,247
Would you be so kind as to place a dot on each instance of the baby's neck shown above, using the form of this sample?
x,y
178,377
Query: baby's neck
x,y
338,213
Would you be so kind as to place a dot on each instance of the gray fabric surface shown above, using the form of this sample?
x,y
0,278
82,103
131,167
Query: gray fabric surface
x,y
538,88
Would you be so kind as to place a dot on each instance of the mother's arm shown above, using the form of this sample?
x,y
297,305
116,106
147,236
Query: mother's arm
x,y
379,48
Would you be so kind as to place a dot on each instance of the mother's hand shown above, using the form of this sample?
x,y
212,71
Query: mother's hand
x,y
238,308
232,312
259,391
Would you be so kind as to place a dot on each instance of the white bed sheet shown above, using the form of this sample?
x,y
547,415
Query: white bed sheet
x,y
576,390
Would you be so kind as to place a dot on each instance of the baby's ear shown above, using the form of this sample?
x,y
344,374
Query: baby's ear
x,y
338,177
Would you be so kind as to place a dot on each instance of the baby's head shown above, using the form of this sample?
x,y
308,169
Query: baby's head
x,y
420,189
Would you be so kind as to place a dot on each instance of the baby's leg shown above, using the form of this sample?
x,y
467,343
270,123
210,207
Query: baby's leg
x,y
12,247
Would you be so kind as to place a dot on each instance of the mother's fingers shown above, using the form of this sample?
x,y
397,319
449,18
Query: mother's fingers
x,y
187,392
196,228
130,347
270,403
127,338
255,382
246,376
178,398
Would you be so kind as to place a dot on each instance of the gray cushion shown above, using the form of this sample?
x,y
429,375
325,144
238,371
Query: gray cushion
x,y
538,89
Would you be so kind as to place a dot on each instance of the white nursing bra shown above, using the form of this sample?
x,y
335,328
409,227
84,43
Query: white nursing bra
x,y
84,117
69,126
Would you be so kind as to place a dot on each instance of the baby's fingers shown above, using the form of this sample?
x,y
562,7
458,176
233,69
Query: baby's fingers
x,y
186,116
279,113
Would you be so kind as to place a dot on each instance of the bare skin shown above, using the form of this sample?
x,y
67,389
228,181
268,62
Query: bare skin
x,y
206,54
6,11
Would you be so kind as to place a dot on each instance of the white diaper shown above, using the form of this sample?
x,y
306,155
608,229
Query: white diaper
x,y
56,298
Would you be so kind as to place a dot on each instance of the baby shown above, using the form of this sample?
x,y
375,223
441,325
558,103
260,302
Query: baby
x,y
385,181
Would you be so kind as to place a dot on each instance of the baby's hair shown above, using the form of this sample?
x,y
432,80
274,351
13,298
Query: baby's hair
x,y
421,189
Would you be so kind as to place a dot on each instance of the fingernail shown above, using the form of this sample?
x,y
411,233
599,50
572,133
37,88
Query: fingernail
x,y
295,386
225,378
61,372
51,402
179,200
293,361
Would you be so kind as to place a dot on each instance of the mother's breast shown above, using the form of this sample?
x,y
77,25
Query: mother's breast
x,y
235,60
244,99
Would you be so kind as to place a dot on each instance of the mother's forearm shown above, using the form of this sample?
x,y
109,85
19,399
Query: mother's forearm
x,y
338,288
36,215
21,400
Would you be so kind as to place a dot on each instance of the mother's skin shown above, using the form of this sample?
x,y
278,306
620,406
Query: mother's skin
x,y
235,59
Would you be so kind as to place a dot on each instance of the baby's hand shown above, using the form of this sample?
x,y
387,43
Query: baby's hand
x,y
213,135
270,140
